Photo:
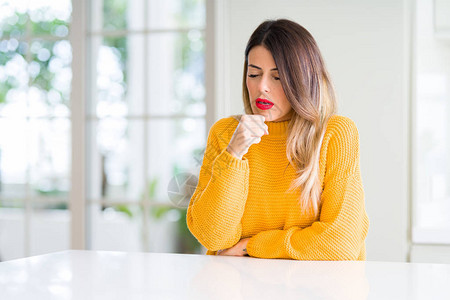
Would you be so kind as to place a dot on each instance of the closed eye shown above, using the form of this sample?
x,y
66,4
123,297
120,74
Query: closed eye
x,y
252,75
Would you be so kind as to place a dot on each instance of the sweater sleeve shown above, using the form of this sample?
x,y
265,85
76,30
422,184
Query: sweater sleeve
x,y
217,204
340,232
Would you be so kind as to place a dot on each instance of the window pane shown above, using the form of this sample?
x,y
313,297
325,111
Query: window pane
x,y
14,78
164,69
50,17
50,227
13,157
13,19
35,79
168,232
49,157
121,228
116,228
12,228
176,74
111,15
431,130
114,14
115,167
51,75
174,147
433,164
119,76
176,14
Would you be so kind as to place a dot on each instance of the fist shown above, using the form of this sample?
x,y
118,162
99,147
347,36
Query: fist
x,y
248,132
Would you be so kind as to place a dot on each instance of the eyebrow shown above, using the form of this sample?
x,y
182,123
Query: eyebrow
x,y
259,68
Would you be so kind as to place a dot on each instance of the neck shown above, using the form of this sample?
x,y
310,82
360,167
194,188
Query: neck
x,y
277,128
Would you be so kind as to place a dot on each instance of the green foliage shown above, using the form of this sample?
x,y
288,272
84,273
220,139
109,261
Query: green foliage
x,y
186,242
151,187
12,203
4,88
120,45
176,169
60,205
187,11
52,193
13,28
55,27
124,209
114,12
159,212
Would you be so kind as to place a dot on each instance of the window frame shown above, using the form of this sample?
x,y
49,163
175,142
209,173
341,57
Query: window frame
x,y
80,38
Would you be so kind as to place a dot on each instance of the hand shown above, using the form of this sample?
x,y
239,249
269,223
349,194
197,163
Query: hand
x,y
249,131
240,249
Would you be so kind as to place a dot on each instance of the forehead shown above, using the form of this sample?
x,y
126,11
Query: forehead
x,y
261,57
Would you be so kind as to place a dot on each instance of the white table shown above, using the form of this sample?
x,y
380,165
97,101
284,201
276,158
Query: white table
x,y
117,275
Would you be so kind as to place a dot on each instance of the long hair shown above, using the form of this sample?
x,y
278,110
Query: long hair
x,y
309,90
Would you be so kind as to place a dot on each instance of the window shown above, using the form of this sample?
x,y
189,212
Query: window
x,y
35,80
431,126
144,116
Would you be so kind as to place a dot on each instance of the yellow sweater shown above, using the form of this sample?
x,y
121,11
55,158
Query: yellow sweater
x,y
237,199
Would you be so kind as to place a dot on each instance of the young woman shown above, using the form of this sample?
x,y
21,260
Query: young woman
x,y
282,180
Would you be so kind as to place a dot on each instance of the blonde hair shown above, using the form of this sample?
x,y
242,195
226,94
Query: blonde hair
x,y
309,90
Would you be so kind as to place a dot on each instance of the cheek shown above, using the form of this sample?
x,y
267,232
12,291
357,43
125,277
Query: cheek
x,y
282,96
250,86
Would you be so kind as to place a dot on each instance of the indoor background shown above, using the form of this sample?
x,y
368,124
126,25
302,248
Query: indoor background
x,y
105,107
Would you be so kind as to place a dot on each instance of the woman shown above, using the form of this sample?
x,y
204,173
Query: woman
x,y
282,180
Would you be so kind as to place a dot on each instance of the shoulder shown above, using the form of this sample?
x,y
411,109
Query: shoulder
x,y
341,126
225,124
223,129
341,132
340,146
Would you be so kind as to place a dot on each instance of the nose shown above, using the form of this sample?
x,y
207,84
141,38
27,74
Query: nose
x,y
264,85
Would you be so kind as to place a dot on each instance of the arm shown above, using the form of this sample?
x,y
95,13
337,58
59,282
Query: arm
x,y
217,205
340,232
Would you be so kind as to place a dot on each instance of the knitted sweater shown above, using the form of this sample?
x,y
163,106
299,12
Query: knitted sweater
x,y
248,198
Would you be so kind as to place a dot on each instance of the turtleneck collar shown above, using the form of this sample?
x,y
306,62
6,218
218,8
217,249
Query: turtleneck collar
x,y
277,128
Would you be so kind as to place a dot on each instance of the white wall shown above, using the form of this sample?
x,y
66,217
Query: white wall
x,y
365,45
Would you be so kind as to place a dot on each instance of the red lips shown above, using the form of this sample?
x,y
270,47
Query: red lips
x,y
264,100
264,104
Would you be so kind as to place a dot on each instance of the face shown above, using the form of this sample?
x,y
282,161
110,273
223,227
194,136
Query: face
x,y
263,85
